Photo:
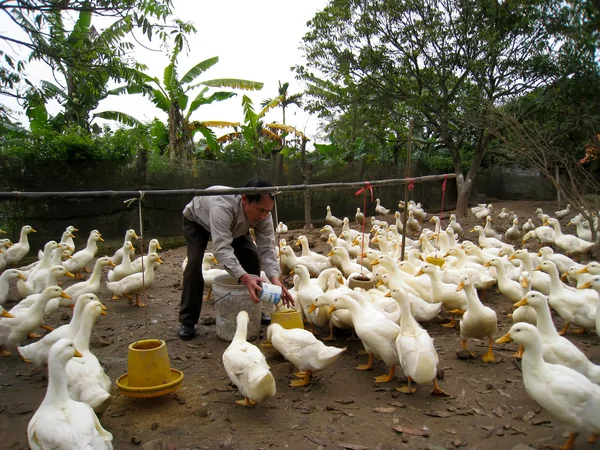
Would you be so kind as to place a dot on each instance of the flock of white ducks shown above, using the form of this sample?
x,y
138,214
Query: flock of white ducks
x,y
530,281
385,318
78,388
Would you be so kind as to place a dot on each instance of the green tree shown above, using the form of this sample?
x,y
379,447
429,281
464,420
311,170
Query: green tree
x,y
173,97
286,99
442,63
82,48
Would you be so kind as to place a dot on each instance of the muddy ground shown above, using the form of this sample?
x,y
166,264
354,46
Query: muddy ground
x,y
344,408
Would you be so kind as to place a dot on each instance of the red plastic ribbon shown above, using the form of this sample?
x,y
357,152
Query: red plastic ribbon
x,y
411,185
362,243
367,186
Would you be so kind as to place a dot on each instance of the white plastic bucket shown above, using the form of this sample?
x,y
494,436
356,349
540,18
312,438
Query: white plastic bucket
x,y
271,293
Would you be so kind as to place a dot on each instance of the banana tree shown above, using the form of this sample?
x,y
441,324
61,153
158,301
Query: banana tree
x,y
258,135
173,97
83,61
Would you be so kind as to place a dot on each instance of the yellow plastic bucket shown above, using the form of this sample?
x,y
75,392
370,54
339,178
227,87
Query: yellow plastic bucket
x,y
288,319
148,363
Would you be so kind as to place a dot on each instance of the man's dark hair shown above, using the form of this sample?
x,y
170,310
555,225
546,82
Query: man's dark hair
x,y
258,183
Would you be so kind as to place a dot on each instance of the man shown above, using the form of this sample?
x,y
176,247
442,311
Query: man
x,y
227,219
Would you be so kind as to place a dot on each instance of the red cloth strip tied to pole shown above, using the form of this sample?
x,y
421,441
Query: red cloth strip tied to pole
x,y
362,242
411,185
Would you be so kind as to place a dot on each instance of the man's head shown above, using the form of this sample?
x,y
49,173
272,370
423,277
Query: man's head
x,y
257,206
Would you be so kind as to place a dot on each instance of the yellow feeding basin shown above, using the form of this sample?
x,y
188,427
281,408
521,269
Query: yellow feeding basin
x,y
149,372
434,260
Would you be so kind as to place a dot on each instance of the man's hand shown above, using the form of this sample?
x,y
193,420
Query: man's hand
x,y
252,282
286,297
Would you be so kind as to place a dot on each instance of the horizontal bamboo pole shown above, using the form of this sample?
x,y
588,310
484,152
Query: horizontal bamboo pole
x,y
4,195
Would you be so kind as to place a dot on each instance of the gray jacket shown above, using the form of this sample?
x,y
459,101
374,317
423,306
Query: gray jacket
x,y
223,217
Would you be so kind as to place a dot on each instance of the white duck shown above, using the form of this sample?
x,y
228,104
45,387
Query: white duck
x,y
134,284
489,230
281,228
76,264
528,226
481,215
92,284
455,225
17,252
504,214
557,349
54,273
36,278
563,212
153,247
247,367
573,306
126,267
421,310
341,259
303,350
118,256
306,251
209,274
359,216
570,244
512,290
37,352
326,231
478,321
377,334
331,220
513,234
493,242
564,394
86,379
307,295
379,209
346,228
418,357
61,422
540,281
13,331
594,283
562,262
5,279
412,225
455,301
479,207
582,231
525,313
289,260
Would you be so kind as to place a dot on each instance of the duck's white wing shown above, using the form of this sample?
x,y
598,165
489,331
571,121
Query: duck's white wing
x,y
73,428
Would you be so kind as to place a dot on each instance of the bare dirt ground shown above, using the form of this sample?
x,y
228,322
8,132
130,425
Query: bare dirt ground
x,y
344,408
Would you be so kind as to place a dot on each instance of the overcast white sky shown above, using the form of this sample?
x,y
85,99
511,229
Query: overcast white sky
x,y
256,41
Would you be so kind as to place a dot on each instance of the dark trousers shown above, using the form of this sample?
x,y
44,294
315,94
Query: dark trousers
x,y
196,239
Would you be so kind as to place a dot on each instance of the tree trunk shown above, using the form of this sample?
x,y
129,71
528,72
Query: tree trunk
x,y
463,188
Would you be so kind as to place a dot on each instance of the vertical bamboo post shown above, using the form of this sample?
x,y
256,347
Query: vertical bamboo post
x,y
406,191
305,168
